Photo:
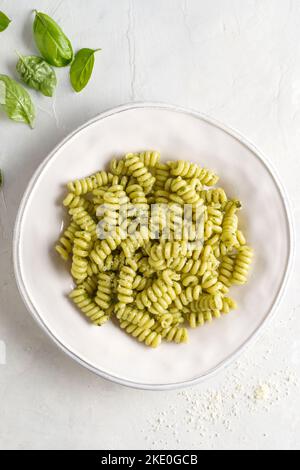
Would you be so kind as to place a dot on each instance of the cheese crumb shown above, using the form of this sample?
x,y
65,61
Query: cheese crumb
x,y
262,392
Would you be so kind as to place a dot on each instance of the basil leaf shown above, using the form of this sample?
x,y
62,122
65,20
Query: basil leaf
x,y
52,43
4,21
16,101
36,73
82,68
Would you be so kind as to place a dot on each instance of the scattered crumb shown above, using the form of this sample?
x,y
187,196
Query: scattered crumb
x,y
262,392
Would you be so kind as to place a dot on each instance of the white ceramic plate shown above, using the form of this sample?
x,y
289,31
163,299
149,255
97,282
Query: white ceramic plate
x,y
179,134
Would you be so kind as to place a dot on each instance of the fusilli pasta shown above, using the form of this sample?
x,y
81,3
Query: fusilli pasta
x,y
154,274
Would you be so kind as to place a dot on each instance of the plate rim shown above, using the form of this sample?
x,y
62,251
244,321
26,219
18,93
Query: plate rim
x,y
270,314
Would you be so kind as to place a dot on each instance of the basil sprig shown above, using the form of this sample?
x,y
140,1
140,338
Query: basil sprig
x,y
4,21
51,41
16,101
82,68
37,74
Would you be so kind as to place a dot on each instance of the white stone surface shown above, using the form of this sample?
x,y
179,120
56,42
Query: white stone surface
x,y
238,61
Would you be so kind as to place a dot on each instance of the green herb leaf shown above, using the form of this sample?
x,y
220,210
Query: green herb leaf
x,y
16,101
36,73
1,179
82,68
52,43
4,21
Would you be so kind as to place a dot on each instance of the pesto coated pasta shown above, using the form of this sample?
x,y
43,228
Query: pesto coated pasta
x,y
154,245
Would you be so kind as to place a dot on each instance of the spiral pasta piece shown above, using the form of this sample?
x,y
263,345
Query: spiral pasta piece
x,y
98,198
137,197
241,238
115,208
185,169
82,244
136,168
133,315
84,220
191,170
125,283
226,271
214,196
143,333
228,304
140,283
86,185
79,269
72,201
150,159
174,333
208,177
207,302
117,167
174,249
186,192
90,309
104,293
102,249
160,295
189,295
65,244
230,223
215,216
242,265
198,319
162,173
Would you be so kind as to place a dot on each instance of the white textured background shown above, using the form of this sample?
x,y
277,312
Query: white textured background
x,y
236,60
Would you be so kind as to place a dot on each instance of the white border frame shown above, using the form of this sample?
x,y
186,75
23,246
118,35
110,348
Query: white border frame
x,y
233,133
